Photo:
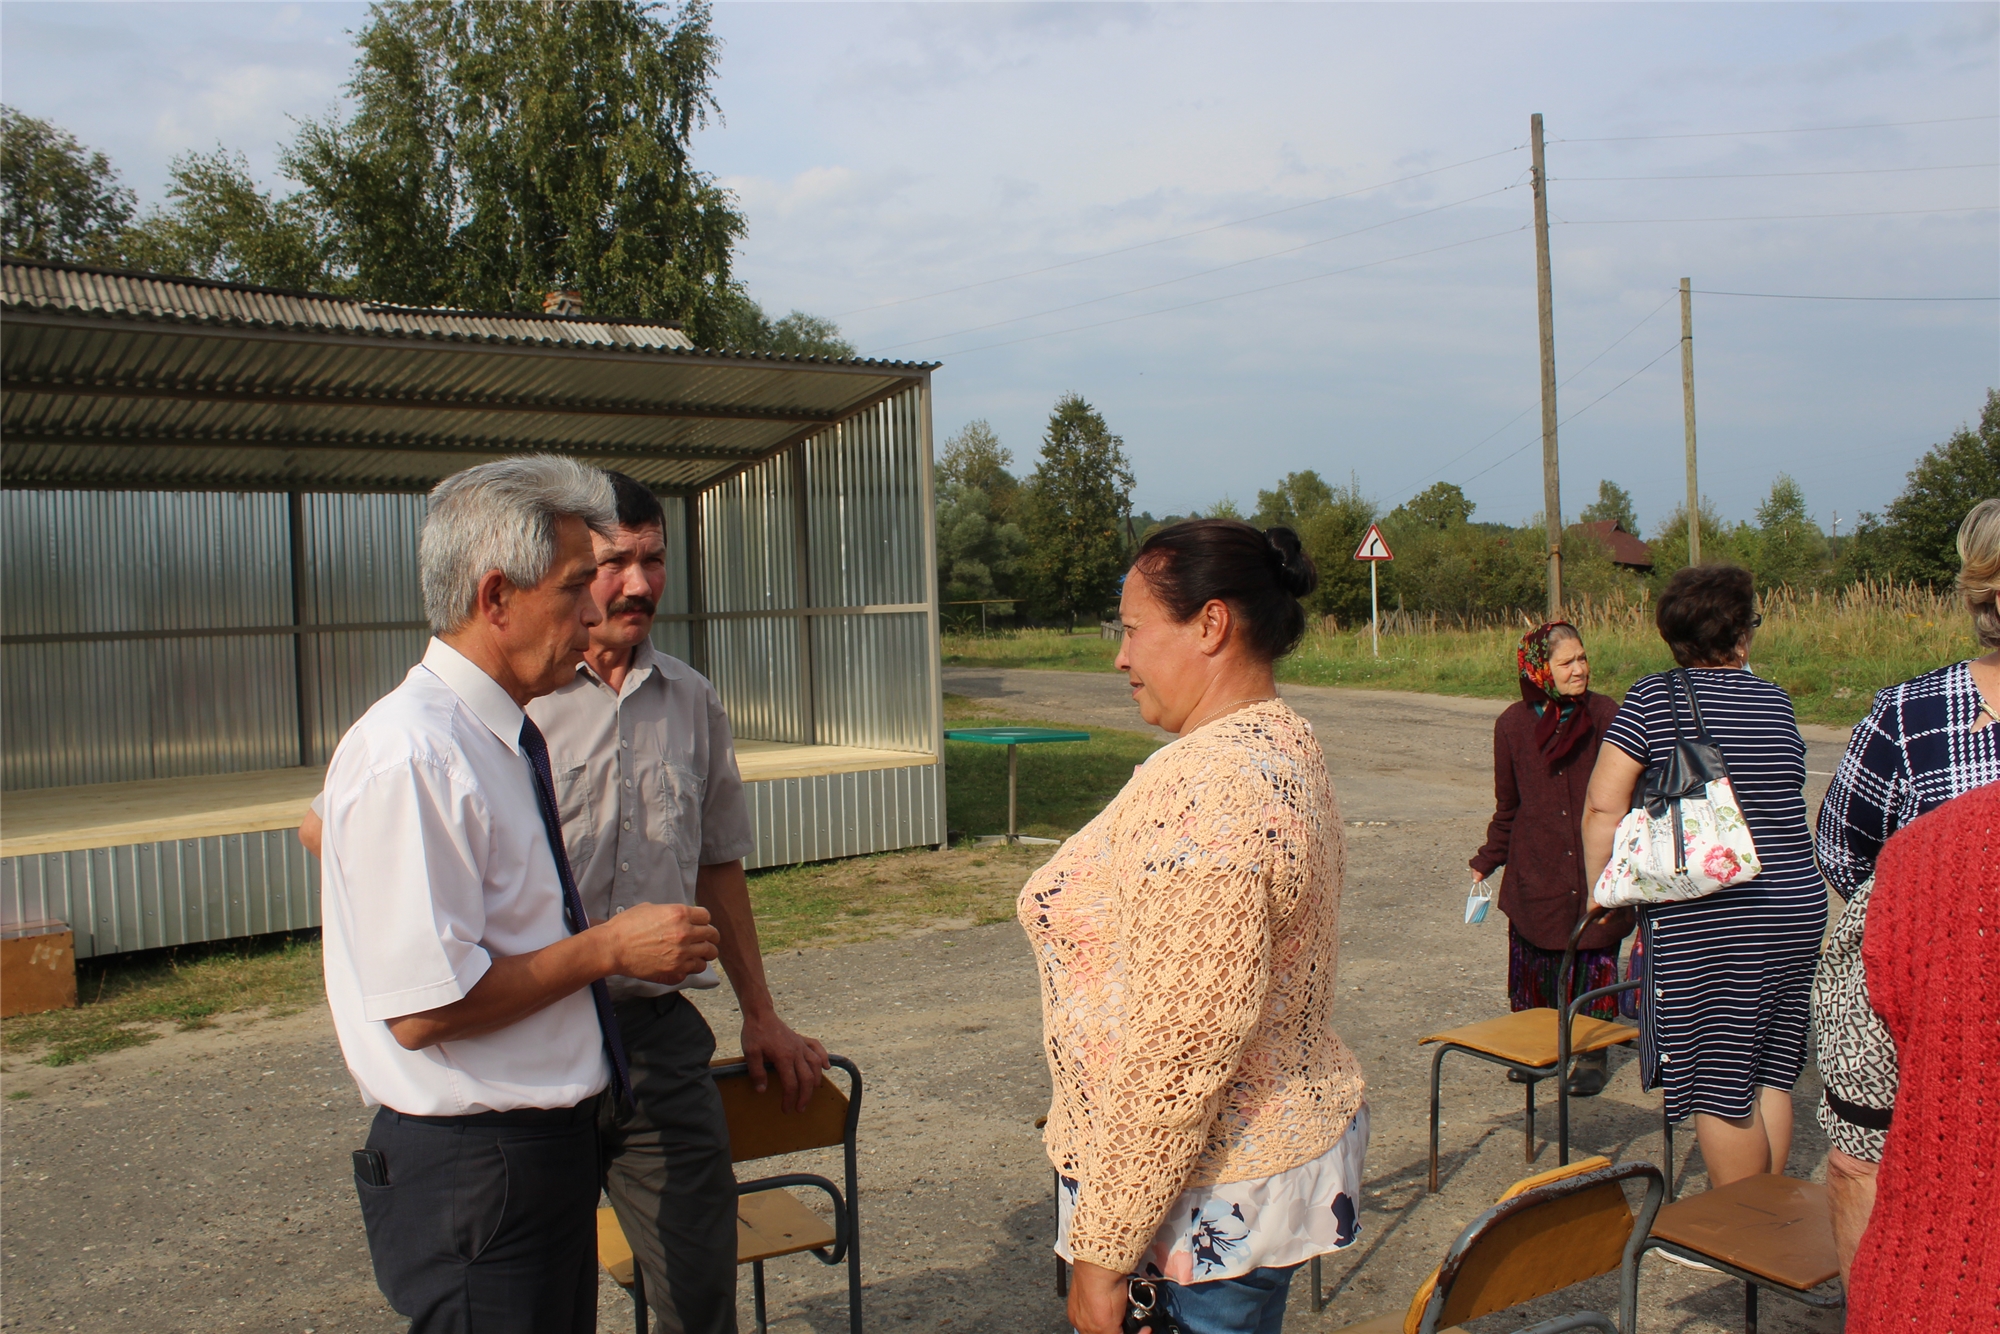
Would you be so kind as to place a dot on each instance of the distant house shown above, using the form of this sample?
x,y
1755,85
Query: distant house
x,y
1626,550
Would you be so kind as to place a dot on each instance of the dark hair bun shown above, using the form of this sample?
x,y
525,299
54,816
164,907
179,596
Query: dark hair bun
x,y
1296,572
1261,575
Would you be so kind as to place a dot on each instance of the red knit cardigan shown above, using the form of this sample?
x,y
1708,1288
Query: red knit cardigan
x,y
1930,1259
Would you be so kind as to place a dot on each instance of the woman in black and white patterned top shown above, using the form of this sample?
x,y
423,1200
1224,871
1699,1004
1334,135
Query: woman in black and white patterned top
x,y
1925,742
1725,1013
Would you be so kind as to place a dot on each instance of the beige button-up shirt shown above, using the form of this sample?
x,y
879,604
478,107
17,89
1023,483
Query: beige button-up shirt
x,y
647,784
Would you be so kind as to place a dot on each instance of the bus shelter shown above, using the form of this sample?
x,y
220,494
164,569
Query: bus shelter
x,y
210,496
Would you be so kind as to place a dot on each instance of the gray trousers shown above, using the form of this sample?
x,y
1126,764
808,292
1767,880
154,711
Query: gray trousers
x,y
667,1169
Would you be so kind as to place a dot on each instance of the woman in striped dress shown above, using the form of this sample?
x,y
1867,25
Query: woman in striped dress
x,y
1725,1013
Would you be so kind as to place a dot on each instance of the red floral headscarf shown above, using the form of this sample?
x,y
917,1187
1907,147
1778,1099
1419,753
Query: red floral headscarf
x,y
1556,734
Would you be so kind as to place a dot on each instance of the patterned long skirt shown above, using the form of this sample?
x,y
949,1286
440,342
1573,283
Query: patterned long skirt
x,y
1534,976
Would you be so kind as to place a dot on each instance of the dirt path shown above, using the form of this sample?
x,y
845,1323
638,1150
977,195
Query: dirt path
x,y
201,1183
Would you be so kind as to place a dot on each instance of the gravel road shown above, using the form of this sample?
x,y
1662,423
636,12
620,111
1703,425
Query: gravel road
x,y
202,1182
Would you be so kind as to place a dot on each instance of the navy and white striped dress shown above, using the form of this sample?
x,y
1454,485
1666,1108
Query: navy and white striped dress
x,y
1731,974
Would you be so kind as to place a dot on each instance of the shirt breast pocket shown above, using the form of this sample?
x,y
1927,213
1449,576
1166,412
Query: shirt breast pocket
x,y
680,812
574,806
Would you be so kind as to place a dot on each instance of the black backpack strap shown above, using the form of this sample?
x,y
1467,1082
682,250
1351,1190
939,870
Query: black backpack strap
x,y
1674,703
1694,705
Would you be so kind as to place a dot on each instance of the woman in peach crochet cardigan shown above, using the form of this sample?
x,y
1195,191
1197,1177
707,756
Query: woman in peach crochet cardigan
x,y
1207,1126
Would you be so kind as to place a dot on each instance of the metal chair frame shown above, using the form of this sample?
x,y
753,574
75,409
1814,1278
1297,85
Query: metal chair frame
x,y
1635,1245
1570,1012
1566,1014
1831,1301
846,1210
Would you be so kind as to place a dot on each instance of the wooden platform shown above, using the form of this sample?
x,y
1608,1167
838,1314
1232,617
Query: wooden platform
x,y
110,815
105,815
763,761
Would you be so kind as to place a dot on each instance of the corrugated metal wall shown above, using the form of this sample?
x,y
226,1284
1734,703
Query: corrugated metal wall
x,y
845,815
146,895
157,563
361,566
78,563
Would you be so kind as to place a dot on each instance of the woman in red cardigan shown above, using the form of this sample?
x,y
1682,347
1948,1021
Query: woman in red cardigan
x,y
1543,750
1930,1259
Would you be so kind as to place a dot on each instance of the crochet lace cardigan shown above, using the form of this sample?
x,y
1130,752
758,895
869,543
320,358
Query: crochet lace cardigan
x,y
1187,940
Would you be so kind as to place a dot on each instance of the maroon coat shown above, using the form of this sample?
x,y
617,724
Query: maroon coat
x,y
1537,831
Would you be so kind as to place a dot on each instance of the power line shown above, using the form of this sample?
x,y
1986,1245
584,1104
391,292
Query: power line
x,y
1674,347
1799,296
1768,175
1189,277
1805,129
1230,296
1182,236
1780,217
1400,492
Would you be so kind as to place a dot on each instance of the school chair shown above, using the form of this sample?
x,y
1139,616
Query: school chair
x,y
1535,1044
771,1220
1546,1233
1769,1231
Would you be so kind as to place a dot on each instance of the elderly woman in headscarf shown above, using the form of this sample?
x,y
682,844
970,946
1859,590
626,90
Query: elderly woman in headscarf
x,y
1543,749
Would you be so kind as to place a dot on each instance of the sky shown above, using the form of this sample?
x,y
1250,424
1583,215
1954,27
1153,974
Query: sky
x,y
1269,237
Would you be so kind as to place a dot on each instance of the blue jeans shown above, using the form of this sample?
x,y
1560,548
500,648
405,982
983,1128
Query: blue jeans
x,y
1251,1304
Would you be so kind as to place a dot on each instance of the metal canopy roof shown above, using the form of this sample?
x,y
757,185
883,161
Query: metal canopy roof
x,y
141,382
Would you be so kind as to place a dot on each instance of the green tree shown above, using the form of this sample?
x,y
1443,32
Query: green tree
x,y
1866,553
976,458
58,200
1613,502
1074,509
979,556
1791,549
1443,506
1721,543
743,326
1330,535
1922,523
499,150
1298,495
1224,508
218,224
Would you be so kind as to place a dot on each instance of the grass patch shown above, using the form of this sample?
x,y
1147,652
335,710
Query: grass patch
x,y
129,1000
889,894
1831,653
1061,785
1083,651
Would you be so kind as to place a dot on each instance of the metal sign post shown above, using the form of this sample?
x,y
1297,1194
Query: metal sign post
x,y
1374,550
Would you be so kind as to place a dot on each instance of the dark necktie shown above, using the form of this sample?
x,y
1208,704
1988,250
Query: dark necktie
x,y
537,749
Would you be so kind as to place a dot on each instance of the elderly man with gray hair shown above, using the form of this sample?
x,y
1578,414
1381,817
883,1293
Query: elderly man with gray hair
x,y
465,981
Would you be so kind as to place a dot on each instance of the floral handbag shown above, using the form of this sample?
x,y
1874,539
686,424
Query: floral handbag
x,y
1685,836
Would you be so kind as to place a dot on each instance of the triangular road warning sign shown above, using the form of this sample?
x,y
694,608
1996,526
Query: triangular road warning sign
x,y
1372,546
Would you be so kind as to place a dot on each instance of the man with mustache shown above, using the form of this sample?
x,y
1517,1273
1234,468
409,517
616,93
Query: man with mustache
x,y
653,813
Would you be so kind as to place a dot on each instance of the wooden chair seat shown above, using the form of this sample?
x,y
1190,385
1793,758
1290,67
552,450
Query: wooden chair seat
x,y
613,1251
1778,1228
1529,1037
776,1222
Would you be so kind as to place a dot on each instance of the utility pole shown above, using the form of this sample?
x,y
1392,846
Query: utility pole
x,y
1687,407
1545,298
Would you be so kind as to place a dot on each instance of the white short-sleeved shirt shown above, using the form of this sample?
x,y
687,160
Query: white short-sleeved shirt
x,y
434,861
647,784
